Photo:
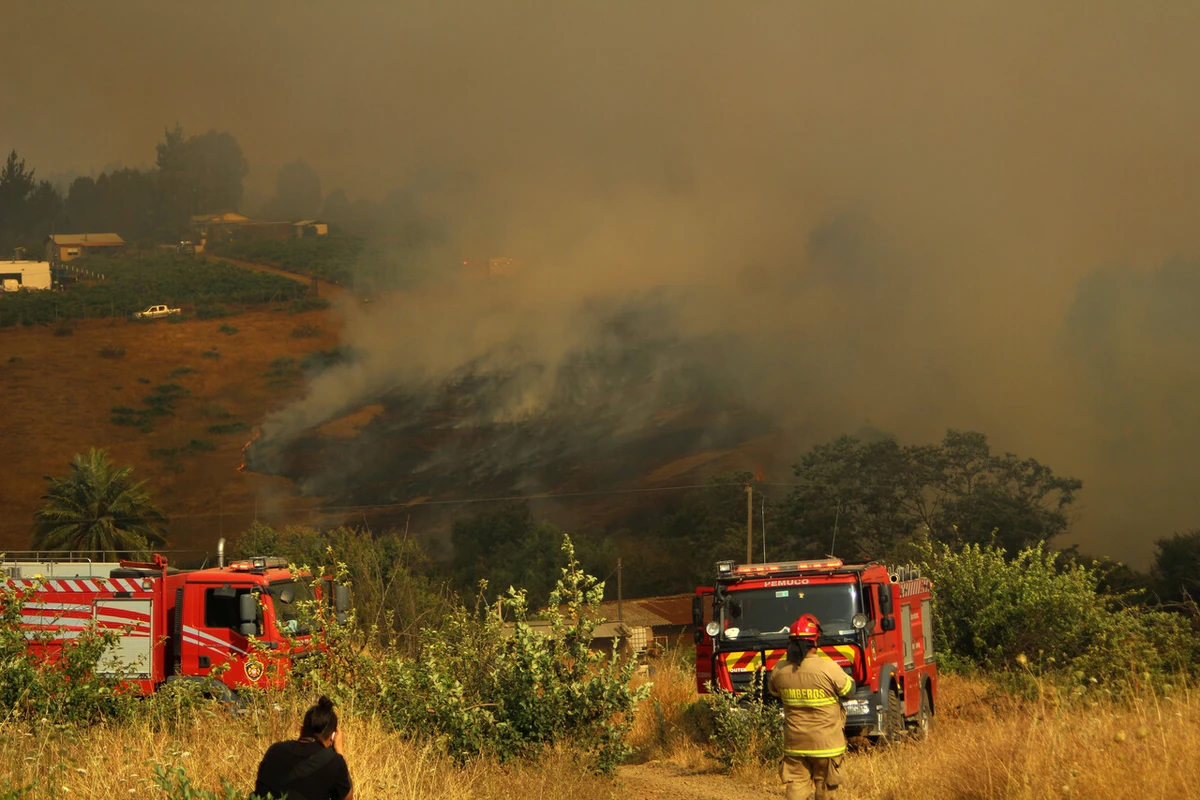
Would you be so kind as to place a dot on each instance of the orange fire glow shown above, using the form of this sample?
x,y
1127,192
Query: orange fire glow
x,y
246,446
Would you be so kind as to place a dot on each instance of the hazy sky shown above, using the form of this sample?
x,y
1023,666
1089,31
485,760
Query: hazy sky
x,y
917,215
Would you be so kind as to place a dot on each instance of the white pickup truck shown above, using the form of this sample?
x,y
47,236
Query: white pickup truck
x,y
154,312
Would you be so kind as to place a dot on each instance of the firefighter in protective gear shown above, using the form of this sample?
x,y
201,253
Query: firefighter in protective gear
x,y
811,687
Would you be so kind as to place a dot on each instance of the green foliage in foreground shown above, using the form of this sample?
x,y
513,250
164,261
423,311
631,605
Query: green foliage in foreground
x,y
1035,612
486,683
133,283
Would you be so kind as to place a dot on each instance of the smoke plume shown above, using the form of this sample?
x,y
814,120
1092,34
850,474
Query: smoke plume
x,y
822,215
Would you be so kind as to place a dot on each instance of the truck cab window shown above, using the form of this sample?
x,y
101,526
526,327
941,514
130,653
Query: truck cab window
x,y
221,607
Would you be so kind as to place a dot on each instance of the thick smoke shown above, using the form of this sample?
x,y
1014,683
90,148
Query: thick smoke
x,y
845,213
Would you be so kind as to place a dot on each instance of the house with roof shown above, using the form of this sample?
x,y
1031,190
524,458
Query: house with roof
x,y
637,625
63,247
311,227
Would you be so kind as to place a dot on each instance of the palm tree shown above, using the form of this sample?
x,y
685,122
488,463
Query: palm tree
x,y
97,507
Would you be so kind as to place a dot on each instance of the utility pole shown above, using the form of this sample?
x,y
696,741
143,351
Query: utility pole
x,y
749,523
620,618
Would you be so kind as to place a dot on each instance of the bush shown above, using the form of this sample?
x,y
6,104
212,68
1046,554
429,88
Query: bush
x,y
179,372
306,331
214,311
211,352
109,351
227,427
1034,612
746,728
227,329
302,304
481,686
62,690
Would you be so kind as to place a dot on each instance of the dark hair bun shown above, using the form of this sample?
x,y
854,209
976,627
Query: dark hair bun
x,y
324,703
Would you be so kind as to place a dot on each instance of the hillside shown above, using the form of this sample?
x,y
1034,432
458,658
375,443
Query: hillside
x,y
58,392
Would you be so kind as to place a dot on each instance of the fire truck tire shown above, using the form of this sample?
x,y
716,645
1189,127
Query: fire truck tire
x,y
893,719
924,719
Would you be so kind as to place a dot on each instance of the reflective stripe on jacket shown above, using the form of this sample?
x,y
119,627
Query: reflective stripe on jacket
x,y
813,716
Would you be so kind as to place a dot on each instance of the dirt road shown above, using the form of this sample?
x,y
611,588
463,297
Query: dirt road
x,y
662,780
325,289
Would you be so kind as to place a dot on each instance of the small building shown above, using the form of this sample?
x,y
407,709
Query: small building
x,y
311,227
63,247
232,225
17,275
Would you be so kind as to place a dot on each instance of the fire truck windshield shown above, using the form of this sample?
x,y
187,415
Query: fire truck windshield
x,y
770,612
286,597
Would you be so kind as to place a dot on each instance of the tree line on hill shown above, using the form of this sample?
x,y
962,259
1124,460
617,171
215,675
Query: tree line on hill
x,y
191,175
859,498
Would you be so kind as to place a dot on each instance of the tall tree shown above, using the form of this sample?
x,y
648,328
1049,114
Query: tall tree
x,y
1176,568
98,506
297,192
198,175
878,493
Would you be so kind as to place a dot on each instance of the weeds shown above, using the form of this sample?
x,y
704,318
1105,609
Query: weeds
x,y
227,427
227,329
211,352
179,372
306,330
111,351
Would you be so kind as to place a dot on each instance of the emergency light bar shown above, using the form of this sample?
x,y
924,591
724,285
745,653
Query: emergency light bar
x,y
259,562
788,566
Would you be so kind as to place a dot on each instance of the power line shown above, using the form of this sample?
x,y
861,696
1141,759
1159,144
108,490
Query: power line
x,y
416,503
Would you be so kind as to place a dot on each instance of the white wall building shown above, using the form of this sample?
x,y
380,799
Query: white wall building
x,y
17,275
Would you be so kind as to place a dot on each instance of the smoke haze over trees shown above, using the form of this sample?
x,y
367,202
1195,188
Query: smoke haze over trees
x,y
913,218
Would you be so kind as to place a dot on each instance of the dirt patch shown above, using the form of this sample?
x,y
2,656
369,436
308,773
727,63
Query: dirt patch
x,y
57,395
663,780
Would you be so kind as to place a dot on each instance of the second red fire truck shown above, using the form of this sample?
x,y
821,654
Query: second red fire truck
x,y
170,624
877,624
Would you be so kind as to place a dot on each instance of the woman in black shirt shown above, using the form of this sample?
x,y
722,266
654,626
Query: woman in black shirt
x,y
311,767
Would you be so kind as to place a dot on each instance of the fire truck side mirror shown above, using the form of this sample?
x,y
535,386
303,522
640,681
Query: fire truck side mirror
x,y
885,599
697,612
247,609
341,598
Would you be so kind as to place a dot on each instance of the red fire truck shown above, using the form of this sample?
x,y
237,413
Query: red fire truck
x,y
877,624
171,624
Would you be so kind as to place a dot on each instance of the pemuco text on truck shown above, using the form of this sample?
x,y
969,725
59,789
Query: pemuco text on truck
x,y
877,625
171,624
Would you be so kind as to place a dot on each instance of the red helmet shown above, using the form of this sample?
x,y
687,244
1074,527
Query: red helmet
x,y
807,627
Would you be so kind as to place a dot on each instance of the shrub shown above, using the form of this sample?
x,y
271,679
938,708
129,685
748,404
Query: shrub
x,y
15,359
227,427
110,351
179,372
746,728
483,687
63,690
1035,612
64,328
227,329
214,311
211,352
306,331
302,304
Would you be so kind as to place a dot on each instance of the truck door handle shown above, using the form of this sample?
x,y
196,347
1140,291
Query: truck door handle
x,y
204,661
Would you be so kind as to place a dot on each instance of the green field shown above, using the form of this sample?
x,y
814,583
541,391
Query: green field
x,y
330,258
206,288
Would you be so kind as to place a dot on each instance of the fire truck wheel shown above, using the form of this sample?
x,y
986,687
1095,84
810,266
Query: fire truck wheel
x,y
924,718
893,720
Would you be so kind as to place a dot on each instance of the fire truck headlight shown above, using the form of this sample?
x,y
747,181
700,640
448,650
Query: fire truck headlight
x,y
859,621
712,628
857,708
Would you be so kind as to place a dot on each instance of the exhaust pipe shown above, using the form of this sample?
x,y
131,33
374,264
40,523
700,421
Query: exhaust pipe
x,y
221,552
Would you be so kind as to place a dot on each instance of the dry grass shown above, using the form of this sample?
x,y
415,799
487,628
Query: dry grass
x,y
985,746
119,762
